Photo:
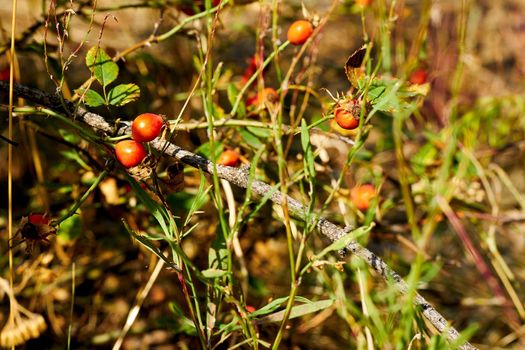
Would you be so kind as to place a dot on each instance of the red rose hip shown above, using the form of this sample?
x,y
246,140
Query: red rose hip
x,y
345,119
362,195
419,76
229,158
146,127
130,153
299,32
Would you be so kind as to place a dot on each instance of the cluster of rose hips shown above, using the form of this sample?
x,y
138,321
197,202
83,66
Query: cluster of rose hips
x,y
145,128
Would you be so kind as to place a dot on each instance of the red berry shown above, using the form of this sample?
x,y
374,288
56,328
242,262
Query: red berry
x,y
229,158
299,32
345,119
254,63
419,76
38,219
362,195
250,308
130,153
146,127
267,94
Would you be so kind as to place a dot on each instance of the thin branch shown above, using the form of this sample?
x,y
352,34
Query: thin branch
x,y
239,177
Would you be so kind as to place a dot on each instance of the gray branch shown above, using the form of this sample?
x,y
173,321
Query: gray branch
x,y
239,177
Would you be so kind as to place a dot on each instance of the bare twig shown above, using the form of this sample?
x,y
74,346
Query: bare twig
x,y
239,177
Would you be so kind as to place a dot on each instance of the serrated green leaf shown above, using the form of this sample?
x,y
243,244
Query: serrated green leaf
x,y
93,99
375,92
123,94
101,65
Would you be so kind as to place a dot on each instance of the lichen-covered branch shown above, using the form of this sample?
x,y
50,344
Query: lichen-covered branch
x,y
239,177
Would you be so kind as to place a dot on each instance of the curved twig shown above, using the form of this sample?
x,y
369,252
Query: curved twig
x,y
239,177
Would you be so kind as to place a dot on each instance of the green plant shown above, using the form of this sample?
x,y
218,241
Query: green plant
x,y
105,71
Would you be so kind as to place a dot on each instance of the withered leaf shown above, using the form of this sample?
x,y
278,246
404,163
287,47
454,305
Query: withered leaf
x,y
353,65
175,180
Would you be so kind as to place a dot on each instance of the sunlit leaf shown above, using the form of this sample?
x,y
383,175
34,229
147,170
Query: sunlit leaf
x,y
299,310
101,65
70,228
123,94
92,98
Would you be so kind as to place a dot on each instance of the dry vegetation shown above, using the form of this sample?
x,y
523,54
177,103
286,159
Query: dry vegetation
x,y
447,158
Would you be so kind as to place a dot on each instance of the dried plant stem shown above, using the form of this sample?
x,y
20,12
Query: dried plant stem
x,y
10,157
240,178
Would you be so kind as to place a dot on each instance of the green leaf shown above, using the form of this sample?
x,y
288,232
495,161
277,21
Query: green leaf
x,y
426,156
214,273
250,139
307,148
158,211
73,155
260,132
375,92
300,310
123,94
70,228
92,98
101,65
344,241
270,307
182,323
152,247
233,92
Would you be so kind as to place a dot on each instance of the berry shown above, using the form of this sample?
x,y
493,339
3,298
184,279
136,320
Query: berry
x,y
229,158
38,219
250,308
254,63
34,229
130,153
267,94
419,76
347,117
146,127
299,32
362,195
